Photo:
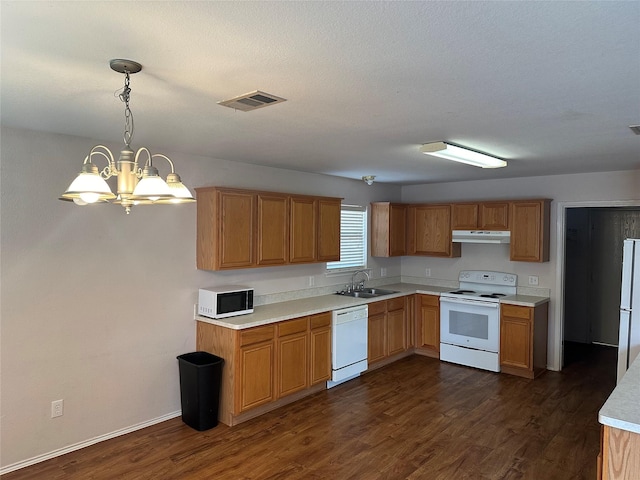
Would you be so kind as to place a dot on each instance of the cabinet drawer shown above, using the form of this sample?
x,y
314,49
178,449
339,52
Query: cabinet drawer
x,y
395,304
377,307
289,327
255,335
432,300
516,311
320,320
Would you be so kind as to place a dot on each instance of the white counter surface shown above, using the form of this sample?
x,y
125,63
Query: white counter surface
x,y
524,300
277,312
622,408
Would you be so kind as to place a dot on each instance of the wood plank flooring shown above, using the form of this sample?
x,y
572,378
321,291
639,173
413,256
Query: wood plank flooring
x,y
415,419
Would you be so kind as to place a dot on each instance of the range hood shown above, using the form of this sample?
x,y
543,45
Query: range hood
x,y
481,236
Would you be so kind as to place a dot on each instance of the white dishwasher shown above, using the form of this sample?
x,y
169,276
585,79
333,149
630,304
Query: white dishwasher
x,y
349,344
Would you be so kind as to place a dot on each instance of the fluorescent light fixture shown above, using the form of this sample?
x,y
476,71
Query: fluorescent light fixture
x,y
462,155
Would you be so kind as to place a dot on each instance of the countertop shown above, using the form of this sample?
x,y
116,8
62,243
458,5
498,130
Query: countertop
x,y
622,408
277,312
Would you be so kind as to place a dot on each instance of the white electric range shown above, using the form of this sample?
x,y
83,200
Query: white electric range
x,y
470,318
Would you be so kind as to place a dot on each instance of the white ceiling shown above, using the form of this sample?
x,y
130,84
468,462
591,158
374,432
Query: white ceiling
x,y
549,86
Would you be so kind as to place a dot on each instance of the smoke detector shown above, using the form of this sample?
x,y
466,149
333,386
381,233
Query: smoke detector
x,y
252,101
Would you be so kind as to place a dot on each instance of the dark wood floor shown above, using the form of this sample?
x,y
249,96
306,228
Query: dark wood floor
x,y
415,419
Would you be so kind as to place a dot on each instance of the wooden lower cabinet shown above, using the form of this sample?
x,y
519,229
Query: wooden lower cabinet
x,y
269,366
428,325
255,385
523,340
396,326
377,332
320,348
619,457
293,356
387,330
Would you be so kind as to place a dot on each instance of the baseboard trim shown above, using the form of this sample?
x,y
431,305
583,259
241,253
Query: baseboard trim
x,y
86,443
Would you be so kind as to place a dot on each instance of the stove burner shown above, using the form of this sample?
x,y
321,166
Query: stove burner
x,y
493,295
462,292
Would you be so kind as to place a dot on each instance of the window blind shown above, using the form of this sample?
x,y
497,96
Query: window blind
x,y
353,239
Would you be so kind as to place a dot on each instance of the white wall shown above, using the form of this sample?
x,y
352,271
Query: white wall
x,y
96,305
562,189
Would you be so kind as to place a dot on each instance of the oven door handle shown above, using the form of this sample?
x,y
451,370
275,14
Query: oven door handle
x,y
469,302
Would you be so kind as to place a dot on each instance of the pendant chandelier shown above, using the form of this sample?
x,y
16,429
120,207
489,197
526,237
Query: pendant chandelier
x,y
136,185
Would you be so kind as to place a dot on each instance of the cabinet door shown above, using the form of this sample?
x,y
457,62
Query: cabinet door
x,y
388,229
494,216
328,230
303,228
530,231
396,334
397,230
464,216
320,354
516,337
431,231
235,218
272,229
292,364
377,337
429,322
255,368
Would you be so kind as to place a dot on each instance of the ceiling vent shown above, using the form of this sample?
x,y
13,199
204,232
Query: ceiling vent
x,y
635,129
252,101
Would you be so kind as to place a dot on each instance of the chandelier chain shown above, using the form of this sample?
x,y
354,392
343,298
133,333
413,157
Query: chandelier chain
x,y
128,115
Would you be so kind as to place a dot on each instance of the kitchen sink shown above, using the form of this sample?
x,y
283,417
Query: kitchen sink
x,y
367,293
378,291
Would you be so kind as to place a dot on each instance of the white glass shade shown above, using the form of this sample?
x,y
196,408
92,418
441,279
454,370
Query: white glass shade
x,y
89,186
462,155
151,186
181,194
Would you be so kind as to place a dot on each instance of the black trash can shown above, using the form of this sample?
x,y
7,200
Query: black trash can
x,y
200,378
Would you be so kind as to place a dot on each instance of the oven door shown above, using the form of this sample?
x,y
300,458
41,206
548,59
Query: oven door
x,y
470,323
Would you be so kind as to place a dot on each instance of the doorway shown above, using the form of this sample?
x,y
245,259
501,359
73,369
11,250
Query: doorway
x,y
592,272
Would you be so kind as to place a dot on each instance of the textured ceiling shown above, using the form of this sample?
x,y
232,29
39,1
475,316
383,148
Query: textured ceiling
x,y
550,86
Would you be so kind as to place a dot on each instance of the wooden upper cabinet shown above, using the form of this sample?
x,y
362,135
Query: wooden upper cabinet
x,y
530,230
303,228
486,216
429,231
494,216
464,216
245,228
388,229
328,230
272,229
225,226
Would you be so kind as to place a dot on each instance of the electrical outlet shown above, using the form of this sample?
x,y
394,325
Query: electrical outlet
x,y
312,281
533,280
57,408
427,272
383,272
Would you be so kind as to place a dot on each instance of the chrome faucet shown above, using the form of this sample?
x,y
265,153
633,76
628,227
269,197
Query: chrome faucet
x,y
353,280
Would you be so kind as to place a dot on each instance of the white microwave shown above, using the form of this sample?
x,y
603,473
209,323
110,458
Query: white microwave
x,y
225,301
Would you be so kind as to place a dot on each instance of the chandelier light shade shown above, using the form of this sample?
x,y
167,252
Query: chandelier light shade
x,y
462,155
137,184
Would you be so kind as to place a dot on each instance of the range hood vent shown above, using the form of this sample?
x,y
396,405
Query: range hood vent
x,y
252,101
481,236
